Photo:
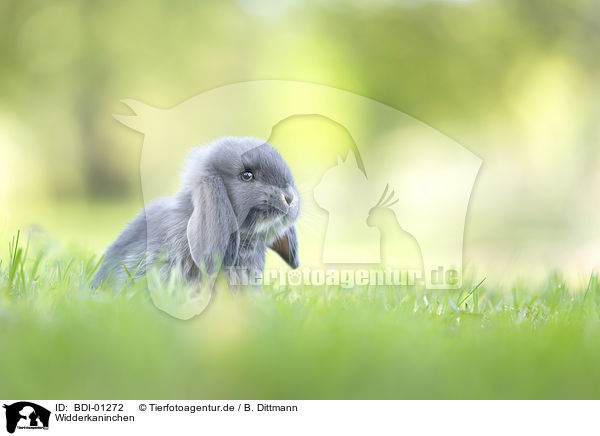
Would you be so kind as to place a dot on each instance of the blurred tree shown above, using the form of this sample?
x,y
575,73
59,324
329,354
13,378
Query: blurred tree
x,y
65,65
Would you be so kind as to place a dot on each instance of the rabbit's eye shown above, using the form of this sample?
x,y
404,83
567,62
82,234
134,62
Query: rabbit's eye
x,y
247,176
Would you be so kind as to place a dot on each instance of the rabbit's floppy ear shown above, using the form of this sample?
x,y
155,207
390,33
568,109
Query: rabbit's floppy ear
x,y
287,247
212,230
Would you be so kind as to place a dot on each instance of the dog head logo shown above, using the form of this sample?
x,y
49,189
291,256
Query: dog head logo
x,y
427,176
26,415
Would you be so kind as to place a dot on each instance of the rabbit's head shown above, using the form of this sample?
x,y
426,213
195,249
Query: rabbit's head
x,y
241,191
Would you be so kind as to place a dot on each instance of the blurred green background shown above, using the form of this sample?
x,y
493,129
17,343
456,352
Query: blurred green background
x,y
516,82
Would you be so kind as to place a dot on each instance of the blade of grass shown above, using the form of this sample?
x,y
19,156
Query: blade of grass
x,y
475,288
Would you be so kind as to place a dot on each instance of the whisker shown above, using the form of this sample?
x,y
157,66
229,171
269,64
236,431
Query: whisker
x,y
304,225
312,221
250,233
313,214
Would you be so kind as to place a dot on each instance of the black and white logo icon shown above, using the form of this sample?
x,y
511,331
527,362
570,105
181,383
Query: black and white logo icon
x,y
26,415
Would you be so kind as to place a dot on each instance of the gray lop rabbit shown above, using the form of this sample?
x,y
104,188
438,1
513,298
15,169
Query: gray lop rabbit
x,y
238,199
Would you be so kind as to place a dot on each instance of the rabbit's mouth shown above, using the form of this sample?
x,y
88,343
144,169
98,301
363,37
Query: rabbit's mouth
x,y
267,220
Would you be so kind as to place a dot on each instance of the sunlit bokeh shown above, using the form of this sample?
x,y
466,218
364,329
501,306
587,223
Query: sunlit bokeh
x,y
514,82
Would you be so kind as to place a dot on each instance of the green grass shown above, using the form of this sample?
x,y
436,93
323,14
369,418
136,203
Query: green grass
x,y
58,339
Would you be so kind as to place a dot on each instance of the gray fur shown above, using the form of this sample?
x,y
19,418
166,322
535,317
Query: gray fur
x,y
217,221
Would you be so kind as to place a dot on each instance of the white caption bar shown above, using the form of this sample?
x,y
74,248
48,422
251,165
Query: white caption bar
x,y
297,417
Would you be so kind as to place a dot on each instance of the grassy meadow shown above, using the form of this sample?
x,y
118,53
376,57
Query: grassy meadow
x,y
515,83
59,339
